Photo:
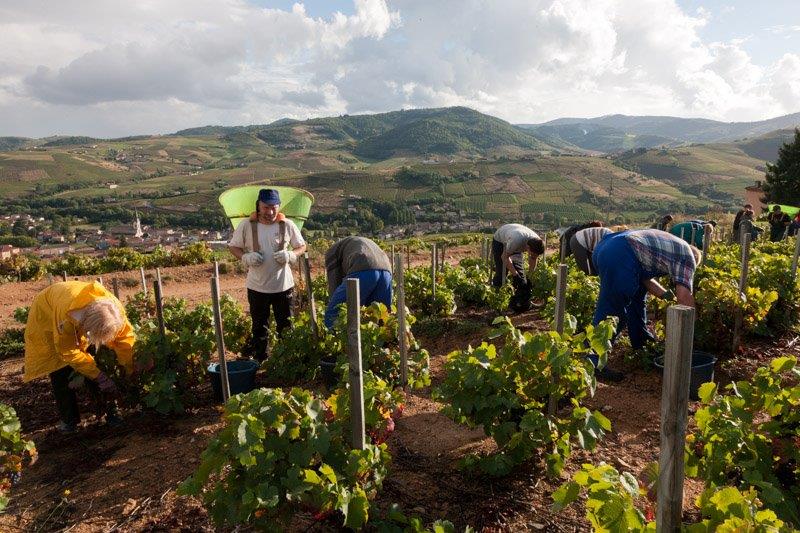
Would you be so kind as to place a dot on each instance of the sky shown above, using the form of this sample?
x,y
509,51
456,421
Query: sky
x,y
107,68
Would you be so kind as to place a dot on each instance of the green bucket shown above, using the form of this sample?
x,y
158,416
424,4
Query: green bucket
x,y
239,202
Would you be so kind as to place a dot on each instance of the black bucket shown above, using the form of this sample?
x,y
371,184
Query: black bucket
x,y
328,371
241,377
702,371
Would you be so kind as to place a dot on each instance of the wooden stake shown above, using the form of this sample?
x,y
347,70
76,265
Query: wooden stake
x,y
159,304
100,280
433,272
561,300
745,227
64,275
745,263
392,260
49,279
738,318
223,364
401,320
408,256
306,267
354,355
674,415
115,287
796,256
694,236
707,235
144,281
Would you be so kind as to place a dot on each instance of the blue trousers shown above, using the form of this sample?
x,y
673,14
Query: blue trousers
x,y
374,286
621,291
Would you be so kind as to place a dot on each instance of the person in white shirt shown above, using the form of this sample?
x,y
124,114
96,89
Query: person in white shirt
x,y
582,244
262,244
509,243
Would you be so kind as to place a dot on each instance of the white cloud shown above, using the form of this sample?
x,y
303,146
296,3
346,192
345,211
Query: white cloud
x,y
113,68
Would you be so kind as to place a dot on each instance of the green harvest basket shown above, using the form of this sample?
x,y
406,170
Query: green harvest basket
x,y
239,202
788,209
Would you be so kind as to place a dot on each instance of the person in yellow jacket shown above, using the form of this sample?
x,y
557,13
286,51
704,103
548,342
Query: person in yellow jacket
x,y
66,322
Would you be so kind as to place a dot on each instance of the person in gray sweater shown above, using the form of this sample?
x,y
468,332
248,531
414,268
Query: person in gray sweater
x,y
360,258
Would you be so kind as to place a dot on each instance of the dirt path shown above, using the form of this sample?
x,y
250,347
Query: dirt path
x,y
124,480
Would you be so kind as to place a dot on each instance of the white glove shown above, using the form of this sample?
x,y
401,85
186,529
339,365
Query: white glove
x,y
285,256
252,259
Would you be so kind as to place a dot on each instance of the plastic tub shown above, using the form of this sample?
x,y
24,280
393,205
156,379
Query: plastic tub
x,y
702,371
329,376
241,377
239,202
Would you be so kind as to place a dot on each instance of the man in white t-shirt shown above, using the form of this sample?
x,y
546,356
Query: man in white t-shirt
x,y
270,283
509,243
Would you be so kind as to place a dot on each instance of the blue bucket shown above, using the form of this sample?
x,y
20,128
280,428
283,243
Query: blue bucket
x,y
702,371
241,377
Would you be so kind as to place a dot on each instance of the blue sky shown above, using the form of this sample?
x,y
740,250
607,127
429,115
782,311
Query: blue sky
x,y
769,28
115,67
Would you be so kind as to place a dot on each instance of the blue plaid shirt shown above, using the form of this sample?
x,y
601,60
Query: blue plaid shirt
x,y
663,254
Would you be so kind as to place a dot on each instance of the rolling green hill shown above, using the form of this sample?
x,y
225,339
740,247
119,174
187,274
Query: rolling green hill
x,y
599,138
491,170
766,146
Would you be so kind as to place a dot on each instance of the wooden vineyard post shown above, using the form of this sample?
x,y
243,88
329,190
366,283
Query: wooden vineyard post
x,y
707,236
223,364
674,415
545,244
354,355
100,280
312,305
49,279
115,287
694,236
745,263
433,273
739,318
745,227
443,261
216,269
561,300
159,304
144,281
562,249
64,275
408,256
796,256
392,260
401,320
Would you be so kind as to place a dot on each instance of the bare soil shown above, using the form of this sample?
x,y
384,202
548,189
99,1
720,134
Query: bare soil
x,y
124,479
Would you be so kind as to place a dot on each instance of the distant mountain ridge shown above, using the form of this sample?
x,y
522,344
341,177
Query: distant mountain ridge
x,y
463,130
655,130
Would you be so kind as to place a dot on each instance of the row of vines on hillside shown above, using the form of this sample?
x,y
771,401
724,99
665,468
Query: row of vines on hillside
x,y
27,267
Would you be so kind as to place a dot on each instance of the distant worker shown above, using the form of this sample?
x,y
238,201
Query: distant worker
x,y
737,220
509,243
628,263
261,243
778,222
663,223
565,238
67,324
362,259
582,245
795,225
693,231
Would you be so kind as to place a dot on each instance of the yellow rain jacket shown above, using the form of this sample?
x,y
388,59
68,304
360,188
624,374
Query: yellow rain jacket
x,y
51,337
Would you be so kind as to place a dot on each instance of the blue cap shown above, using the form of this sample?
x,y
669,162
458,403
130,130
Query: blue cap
x,y
269,196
